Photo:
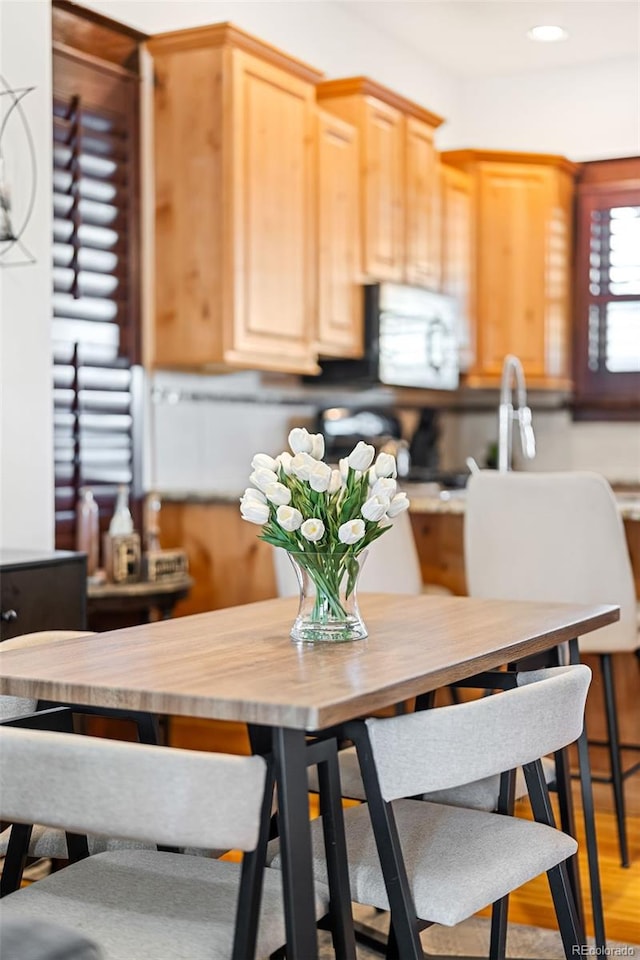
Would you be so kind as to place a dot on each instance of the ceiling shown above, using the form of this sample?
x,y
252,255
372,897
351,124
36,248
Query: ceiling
x,y
488,37
469,38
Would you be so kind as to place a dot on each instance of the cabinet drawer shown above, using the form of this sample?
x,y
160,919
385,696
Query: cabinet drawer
x,y
43,597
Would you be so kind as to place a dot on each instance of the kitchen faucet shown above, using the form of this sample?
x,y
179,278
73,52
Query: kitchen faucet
x,y
512,368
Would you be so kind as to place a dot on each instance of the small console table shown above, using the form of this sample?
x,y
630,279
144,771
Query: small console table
x,y
114,605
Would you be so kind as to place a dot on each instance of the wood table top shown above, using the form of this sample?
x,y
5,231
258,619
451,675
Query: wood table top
x,y
240,663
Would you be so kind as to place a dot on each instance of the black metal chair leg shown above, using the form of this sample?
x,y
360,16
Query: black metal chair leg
x,y
586,789
500,910
568,921
498,940
568,821
336,853
16,858
403,911
571,929
614,754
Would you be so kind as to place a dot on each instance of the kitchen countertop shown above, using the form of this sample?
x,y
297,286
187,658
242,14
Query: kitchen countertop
x,y
429,498
424,497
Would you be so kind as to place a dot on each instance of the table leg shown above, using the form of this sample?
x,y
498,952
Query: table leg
x,y
289,748
586,788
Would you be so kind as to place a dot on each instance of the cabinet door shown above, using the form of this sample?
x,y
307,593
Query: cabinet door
x,y
422,206
340,302
457,253
382,171
513,217
271,244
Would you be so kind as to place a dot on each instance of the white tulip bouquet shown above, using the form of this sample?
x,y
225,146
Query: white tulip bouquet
x,y
323,517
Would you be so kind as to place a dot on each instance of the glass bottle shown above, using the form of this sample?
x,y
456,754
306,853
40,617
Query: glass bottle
x,y
87,528
121,524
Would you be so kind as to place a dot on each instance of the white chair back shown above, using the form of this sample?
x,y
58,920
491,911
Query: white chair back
x,y
392,564
551,537
438,749
132,791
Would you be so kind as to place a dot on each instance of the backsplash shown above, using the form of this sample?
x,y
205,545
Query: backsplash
x,y
612,449
204,430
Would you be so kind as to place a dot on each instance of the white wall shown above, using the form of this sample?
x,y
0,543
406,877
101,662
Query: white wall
x,y
586,112
26,445
323,33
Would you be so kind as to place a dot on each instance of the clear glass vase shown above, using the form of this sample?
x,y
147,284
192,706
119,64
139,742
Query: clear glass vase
x,y
328,611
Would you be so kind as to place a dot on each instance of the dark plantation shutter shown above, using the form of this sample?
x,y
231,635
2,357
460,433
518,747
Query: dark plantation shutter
x,y
97,391
607,356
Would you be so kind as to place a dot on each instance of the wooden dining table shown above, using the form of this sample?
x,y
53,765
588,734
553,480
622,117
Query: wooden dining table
x,y
240,664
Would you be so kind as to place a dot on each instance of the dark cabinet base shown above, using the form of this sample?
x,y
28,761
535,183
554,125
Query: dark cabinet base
x,y
42,591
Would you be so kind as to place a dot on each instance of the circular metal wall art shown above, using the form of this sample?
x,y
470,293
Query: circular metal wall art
x,y
17,198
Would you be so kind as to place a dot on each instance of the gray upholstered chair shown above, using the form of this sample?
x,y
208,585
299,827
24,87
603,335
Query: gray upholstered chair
x,y
434,863
146,904
47,842
557,537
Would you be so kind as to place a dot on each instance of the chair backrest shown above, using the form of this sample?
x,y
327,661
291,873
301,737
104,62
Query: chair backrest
x,y
551,536
23,706
132,791
449,746
392,564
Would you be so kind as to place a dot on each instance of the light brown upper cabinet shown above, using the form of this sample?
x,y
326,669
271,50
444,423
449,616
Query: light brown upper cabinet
x,y
398,179
522,263
340,302
456,218
234,128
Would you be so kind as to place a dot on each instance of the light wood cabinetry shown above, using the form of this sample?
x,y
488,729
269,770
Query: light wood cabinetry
x,y
398,179
340,309
522,244
456,240
422,206
235,223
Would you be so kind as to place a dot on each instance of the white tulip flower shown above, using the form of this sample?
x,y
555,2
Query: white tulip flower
x,y
399,503
278,494
375,508
385,487
252,494
361,457
284,460
320,477
336,481
262,461
312,529
385,465
302,465
254,511
343,466
289,518
317,446
300,440
351,531
261,478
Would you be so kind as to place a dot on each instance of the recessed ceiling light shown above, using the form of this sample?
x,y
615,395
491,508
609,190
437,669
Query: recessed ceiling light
x,y
548,33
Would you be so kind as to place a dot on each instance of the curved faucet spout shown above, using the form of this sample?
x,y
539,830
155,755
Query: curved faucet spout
x,y
512,370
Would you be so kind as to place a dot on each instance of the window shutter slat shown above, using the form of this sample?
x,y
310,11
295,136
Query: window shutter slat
x,y
95,289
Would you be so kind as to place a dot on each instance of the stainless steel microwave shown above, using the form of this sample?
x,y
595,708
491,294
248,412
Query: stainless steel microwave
x,y
411,340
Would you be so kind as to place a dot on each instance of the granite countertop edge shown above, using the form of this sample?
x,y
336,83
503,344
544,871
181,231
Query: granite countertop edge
x,y
425,498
